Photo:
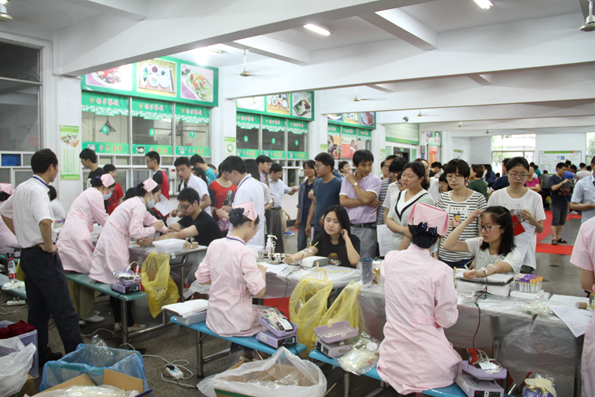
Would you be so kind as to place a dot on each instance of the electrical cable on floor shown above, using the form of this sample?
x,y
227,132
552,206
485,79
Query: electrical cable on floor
x,y
100,329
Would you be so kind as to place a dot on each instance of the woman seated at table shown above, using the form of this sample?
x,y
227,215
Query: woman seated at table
x,y
420,302
494,251
335,241
230,268
112,254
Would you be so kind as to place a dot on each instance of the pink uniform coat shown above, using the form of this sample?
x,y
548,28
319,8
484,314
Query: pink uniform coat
x,y
230,266
420,302
111,253
75,242
583,256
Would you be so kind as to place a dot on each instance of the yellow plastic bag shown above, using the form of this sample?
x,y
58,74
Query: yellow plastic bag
x,y
160,288
344,308
307,305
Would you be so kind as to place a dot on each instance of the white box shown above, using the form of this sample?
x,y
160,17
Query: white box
x,y
169,246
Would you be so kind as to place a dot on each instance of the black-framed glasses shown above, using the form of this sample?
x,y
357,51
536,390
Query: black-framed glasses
x,y
514,175
183,207
488,228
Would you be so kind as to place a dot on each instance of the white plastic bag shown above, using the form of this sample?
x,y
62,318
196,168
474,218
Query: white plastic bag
x,y
283,374
14,365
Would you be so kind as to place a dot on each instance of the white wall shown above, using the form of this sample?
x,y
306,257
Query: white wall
x,y
450,143
481,150
558,142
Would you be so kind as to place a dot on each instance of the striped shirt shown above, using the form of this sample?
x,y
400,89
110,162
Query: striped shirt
x,y
381,197
457,213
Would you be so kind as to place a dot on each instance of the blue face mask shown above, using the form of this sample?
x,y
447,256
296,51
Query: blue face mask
x,y
107,196
151,203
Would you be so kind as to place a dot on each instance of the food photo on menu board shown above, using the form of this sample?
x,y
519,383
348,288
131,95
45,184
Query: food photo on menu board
x,y
252,103
367,118
348,145
118,78
156,76
335,116
197,83
302,104
334,146
278,104
351,118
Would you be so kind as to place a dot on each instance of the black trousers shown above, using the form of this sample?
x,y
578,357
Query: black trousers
x,y
117,310
47,294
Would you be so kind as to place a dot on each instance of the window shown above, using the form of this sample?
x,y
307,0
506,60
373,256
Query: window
x,y
590,147
508,146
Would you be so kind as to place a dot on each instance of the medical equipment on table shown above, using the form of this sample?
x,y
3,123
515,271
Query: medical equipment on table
x,y
336,332
128,280
479,378
279,331
314,261
362,357
270,246
528,283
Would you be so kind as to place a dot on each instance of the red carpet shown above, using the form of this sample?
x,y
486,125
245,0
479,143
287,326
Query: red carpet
x,y
545,238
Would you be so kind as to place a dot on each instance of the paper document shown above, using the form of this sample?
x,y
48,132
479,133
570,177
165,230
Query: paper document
x,y
565,300
164,206
575,319
275,269
497,278
523,240
187,308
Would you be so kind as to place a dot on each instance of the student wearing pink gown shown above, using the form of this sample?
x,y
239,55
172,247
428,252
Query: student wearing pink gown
x,y
420,302
7,238
231,269
76,244
583,256
126,222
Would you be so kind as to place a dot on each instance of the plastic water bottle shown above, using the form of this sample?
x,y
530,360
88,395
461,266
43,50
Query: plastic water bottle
x,y
12,269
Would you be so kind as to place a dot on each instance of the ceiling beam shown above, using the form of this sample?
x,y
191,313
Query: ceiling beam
x,y
392,87
275,49
587,122
134,10
482,78
405,27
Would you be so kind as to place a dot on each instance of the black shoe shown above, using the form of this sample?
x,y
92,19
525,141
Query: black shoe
x,y
53,356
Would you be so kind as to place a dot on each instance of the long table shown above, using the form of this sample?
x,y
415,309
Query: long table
x,y
524,343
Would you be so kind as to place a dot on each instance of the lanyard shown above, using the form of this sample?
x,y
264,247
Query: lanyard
x,y
41,180
243,180
233,239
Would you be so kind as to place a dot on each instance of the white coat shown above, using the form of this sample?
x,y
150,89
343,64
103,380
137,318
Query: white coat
x,y
75,243
6,238
420,302
111,253
230,266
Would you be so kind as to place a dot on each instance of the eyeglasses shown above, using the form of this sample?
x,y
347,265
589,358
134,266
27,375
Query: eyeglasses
x,y
183,207
514,175
488,228
453,177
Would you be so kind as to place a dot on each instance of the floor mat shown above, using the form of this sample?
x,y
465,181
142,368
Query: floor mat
x,y
544,238
560,249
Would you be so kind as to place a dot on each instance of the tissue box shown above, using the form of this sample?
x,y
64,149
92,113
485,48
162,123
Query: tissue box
x,y
169,246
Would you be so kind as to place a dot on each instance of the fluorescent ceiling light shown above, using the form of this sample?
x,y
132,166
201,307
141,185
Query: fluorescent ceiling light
x,y
318,29
485,4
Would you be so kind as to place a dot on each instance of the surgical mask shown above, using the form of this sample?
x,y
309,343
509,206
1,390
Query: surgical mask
x,y
150,203
107,196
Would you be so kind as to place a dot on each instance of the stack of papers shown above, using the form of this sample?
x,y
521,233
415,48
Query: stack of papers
x,y
188,308
493,279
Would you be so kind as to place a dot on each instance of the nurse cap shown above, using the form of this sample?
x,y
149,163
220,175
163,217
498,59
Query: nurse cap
x,y
149,185
107,180
6,188
430,217
246,209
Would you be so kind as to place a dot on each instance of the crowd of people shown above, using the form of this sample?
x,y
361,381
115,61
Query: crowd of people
x,y
436,217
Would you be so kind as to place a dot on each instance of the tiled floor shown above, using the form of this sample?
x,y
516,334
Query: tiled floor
x,y
177,343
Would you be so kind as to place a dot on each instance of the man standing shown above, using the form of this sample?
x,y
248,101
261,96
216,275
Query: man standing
x,y
359,196
325,192
583,173
117,197
27,213
388,178
501,182
559,202
264,168
436,169
583,197
89,161
153,160
198,162
278,190
248,189
184,172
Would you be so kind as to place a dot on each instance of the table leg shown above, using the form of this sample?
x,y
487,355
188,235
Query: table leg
x,y
199,355
182,282
124,322
345,384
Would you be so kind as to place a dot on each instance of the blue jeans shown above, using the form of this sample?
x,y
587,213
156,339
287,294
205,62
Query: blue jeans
x,y
302,238
458,264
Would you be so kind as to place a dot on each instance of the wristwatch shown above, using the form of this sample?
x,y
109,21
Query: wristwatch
x,y
355,184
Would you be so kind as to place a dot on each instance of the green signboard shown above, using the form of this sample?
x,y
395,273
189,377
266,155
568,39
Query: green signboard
x,y
298,155
107,147
298,105
364,135
248,153
104,105
165,78
192,150
333,130
403,133
297,127
192,114
247,121
273,124
151,110
274,154
70,147
144,149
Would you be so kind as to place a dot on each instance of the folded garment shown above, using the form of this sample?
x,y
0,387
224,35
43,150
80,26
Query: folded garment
x,y
188,308
17,329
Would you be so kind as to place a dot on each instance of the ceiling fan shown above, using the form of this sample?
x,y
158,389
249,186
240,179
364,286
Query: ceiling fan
x,y
245,72
357,98
589,26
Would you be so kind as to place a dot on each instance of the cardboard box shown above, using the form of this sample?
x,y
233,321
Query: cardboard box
x,y
28,387
111,378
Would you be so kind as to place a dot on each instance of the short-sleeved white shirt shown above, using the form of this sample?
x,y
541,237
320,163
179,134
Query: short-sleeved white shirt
x,y
483,257
532,202
27,207
584,193
201,187
583,253
250,189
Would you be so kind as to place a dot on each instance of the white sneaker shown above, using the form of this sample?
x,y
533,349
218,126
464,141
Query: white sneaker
x,y
136,327
81,322
117,327
94,319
